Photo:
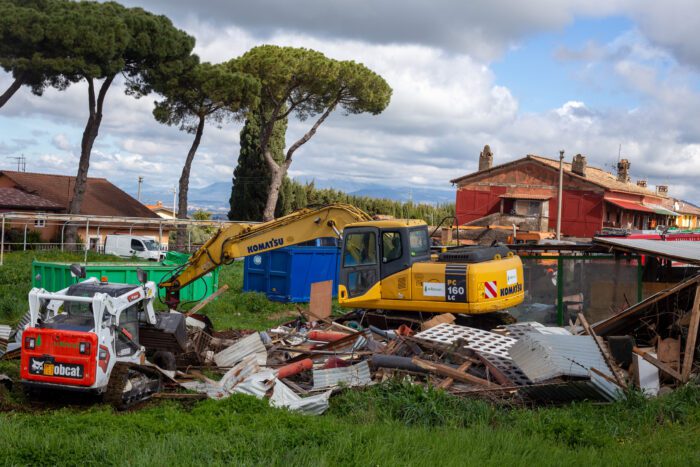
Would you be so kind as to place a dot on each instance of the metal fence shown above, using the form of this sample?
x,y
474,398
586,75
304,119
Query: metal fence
x,y
558,286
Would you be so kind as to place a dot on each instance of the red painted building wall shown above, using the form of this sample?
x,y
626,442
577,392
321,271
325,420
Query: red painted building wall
x,y
475,204
582,211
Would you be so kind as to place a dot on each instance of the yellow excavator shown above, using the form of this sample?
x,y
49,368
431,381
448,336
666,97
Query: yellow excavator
x,y
385,264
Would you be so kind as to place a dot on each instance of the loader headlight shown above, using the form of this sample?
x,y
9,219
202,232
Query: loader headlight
x,y
29,343
84,348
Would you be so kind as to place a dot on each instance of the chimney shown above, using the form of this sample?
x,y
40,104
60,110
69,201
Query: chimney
x,y
662,190
485,158
642,183
623,169
578,166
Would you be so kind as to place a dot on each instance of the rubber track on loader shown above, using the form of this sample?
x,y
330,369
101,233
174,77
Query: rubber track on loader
x,y
115,387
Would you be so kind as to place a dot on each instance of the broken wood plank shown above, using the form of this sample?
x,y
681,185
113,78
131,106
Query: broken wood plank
x,y
605,377
657,363
348,340
668,351
494,371
617,373
689,354
321,299
608,325
447,382
179,395
294,386
207,300
450,372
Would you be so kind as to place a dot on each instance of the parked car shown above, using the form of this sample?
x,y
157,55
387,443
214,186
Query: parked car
x,y
133,245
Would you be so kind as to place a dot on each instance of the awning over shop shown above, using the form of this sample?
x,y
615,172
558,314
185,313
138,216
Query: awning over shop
x,y
629,205
662,210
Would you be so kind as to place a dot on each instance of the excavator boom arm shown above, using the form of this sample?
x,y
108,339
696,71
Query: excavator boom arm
x,y
239,240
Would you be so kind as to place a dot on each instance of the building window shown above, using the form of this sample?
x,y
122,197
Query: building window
x,y
39,223
527,207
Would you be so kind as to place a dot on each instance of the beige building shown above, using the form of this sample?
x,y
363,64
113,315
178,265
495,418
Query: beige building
x,y
25,192
162,211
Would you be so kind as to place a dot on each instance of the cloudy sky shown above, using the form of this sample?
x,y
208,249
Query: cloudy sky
x,y
590,77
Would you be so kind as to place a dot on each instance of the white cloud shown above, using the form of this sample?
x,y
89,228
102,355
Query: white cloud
x,y
60,141
446,103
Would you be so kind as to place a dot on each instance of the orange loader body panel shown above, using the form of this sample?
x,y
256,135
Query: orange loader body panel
x,y
56,357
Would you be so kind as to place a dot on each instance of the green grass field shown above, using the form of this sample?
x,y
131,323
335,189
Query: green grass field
x,y
390,424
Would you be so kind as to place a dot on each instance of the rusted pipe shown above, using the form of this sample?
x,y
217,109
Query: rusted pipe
x,y
295,368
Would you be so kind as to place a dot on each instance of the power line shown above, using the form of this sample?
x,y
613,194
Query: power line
x,y
21,162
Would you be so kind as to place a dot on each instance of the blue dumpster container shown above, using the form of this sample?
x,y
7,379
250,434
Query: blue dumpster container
x,y
286,274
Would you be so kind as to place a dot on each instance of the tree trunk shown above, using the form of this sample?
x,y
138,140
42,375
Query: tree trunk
x,y
92,128
277,174
279,171
181,237
14,87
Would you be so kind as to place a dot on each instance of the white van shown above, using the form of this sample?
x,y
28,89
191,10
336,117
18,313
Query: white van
x,y
133,245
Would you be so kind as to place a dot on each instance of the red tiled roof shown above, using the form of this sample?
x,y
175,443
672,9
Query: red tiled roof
x,y
13,198
101,198
593,175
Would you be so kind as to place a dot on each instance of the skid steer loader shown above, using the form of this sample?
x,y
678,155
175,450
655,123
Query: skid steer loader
x,y
100,337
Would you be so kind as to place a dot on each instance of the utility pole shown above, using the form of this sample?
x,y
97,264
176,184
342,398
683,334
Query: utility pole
x,y
561,183
138,196
21,162
174,201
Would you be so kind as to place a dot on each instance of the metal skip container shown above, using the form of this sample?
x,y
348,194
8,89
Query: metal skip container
x,y
54,276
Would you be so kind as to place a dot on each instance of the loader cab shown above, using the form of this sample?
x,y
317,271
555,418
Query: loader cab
x,y
375,250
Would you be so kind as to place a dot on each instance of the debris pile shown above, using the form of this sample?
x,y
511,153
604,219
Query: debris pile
x,y
300,364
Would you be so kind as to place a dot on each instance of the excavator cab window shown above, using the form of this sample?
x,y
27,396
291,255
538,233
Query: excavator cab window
x,y
360,249
360,260
391,246
420,246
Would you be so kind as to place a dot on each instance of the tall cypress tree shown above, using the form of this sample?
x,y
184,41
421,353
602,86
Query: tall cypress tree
x,y
251,178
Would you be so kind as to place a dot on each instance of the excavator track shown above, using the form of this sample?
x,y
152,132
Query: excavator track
x,y
130,384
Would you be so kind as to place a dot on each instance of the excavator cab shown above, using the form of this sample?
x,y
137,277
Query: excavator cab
x,y
373,251
388,265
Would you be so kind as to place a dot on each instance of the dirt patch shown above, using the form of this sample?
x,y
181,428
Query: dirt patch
x,y
283,314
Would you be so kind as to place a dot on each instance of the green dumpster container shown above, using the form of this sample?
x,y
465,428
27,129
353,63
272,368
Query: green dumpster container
x,y
54,276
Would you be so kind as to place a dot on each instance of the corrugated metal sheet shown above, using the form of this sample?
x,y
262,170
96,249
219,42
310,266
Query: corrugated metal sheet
x,y
250,345
284,397
681,250
354,375
564,391
518,330
246,377
546,357
5,332
479,340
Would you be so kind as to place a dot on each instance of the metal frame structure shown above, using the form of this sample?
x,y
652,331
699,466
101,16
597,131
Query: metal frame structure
x,y
582,257
85,221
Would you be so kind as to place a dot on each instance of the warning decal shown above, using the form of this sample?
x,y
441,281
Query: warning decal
x,y
490,289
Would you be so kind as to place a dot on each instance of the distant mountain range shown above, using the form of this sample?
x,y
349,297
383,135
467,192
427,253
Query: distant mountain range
x,y
215,197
